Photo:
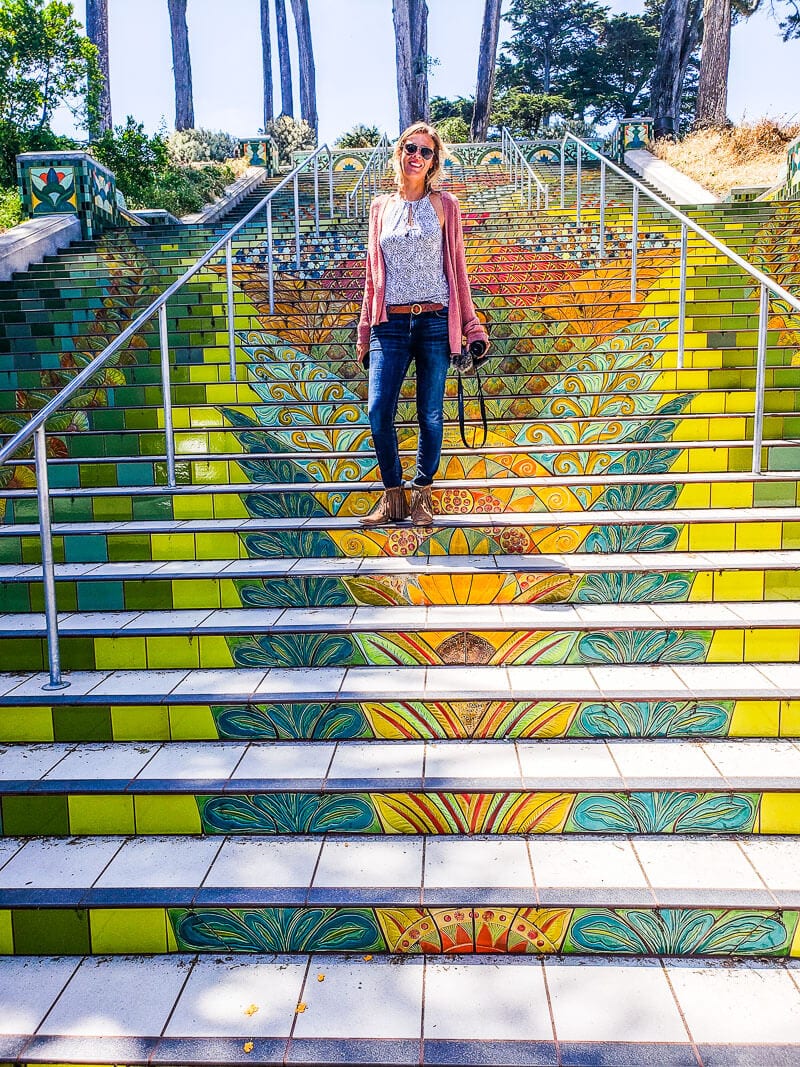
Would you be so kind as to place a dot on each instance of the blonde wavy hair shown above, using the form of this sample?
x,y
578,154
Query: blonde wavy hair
x,y
439,154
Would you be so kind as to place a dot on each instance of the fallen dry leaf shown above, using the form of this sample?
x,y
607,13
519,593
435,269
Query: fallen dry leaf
x,y
368,958
320,977
251,1010
248,1046
301,1007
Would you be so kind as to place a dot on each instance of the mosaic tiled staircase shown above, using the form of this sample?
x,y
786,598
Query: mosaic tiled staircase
x,y
564,720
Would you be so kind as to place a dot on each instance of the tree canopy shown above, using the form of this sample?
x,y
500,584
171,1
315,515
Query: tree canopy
x,y
45,62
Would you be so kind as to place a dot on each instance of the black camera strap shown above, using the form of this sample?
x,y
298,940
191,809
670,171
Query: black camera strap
x,y
481,403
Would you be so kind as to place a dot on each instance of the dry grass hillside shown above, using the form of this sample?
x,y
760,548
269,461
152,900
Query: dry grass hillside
x,y
750,154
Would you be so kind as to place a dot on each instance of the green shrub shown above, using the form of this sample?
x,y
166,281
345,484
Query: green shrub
x,y
10,209
147,176
201,146
360,136
453,130
14,140
291,135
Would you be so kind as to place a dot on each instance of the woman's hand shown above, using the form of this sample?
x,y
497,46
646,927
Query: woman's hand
x,y
362,354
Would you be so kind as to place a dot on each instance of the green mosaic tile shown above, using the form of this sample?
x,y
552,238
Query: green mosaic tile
x,y
82,723
134,930
101,815
51,931
32,816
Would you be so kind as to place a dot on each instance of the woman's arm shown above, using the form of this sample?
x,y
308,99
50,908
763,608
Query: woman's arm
x,y
364,323
471,326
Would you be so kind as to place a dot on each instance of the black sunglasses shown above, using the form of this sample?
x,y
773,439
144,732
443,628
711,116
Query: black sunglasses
x,y
424,151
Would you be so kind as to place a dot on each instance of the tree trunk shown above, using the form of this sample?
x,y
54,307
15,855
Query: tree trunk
x,y
266,57
669,70
97,32
487,56
305,55
181,65
712,97
287,96
411,50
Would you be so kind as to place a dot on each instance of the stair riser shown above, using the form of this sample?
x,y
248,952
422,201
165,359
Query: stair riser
x,y
105,547
396,720
235,809
521,587
496,925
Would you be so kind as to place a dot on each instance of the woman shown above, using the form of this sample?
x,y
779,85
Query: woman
x,y
417,306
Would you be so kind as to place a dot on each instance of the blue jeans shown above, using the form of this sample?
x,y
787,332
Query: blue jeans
x,y
393,345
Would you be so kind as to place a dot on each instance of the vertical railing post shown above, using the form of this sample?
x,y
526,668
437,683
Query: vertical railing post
x,y
330,179
166,389
635,244
563,153
761,377
602,209
296,223
578,156
229,284
682,295
270,260
48,567
316,195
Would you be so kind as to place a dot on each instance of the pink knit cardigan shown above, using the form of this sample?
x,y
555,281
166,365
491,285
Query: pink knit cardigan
x,y
461,320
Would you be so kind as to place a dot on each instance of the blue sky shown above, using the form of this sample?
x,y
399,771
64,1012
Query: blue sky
x,y
354,53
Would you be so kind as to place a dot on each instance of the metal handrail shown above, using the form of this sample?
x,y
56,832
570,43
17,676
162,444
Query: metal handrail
x,y
374,167
768,287
522,173
36,425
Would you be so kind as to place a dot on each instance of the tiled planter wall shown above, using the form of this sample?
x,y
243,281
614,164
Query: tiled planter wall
x,y
58,183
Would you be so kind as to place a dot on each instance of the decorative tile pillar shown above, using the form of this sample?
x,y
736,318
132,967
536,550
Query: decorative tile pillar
x,y
59,183
260,151
629,135
793,171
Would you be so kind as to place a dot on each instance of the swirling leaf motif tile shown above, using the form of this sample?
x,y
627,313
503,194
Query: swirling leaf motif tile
x,y
681,932
631,587
663,718
288,813
643,646
321,721
276,930
665,811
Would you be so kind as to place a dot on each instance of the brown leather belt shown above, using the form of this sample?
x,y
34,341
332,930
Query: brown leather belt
x,y
412,309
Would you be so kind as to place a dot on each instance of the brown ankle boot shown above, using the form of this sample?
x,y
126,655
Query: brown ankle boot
x,y
392,507
421,506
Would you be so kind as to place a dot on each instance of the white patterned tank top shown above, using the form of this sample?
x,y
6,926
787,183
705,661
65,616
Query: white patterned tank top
x,y
411,242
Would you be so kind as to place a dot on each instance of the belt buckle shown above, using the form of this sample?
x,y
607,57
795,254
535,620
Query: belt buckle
x,y
416,309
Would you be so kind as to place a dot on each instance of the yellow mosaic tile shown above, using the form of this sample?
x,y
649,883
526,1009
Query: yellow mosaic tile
x,y
146,723
229,506
97,814
716,536
6,934
190,723
26,724
214,652
702,589
738,585
694,496
779,813
192,506
790,718
731,495
138,930
772,646
759,535
726,647
120,653
174,651
794,951
198,593
167,815
172,546
755,718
